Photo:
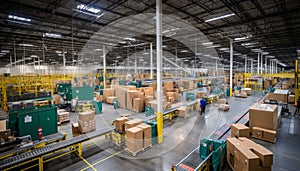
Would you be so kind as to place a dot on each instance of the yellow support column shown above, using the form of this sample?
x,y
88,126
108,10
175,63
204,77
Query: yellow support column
x,y
41,164
159,127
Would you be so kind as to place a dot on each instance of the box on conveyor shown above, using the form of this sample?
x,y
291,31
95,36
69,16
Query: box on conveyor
x,y
264,116
244,154
120,123
131,94
87,126
75,129
239,130
86,116
121,95
182,112
138,105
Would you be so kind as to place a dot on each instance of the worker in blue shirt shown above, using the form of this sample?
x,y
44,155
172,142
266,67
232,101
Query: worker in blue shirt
x,y
202,105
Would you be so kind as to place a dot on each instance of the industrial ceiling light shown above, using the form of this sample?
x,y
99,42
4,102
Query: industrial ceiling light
x,y
207,43
223,49
5,51
130,39
97,50
265,53
219,17
249,44
89,10
33,56
146,53
213,46
269,56
184,51
282,64
52,35
25,44
19,18
242,38
164,46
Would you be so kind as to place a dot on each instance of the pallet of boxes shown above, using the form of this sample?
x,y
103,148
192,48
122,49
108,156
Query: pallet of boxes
x,y
222,105
138,136
239,93
62,116
263,121
86,122
244,154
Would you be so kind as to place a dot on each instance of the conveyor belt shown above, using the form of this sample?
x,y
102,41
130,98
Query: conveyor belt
x,y
50,148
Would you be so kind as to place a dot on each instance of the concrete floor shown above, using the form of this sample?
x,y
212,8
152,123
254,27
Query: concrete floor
x,y
181,136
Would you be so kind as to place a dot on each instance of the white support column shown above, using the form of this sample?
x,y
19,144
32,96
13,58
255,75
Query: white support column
x,y
104,67
231,65
258,64
135,65
151,62
266,65
159,113
276,67
64,63
261,63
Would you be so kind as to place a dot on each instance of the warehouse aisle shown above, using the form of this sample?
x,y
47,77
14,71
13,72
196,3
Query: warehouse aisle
x,y
181,136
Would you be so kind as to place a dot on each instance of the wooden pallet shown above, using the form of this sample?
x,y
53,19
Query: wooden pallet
x,y
133,153
59,123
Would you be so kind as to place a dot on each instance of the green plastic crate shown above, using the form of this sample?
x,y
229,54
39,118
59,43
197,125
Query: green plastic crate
x,y
204,149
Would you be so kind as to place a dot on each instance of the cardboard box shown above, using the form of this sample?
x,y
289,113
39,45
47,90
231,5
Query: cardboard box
x,y
148,99
134,141
182,112
138,105
223,107
248,159
264,134
243,94
263,116
153,85
132,123
121,95
75,129
257,133
107,93
57,99
222,101
63,116
111,99
169,85
86,116
239,130
120,123
148,91
2,125
146,134
247,90
87,126
279,95
131,94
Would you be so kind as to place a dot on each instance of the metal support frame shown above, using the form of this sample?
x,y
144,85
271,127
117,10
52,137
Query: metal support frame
x,y
251,68
151,62
296,81
159,113
231,64
258,63
261,63
104,67
246,64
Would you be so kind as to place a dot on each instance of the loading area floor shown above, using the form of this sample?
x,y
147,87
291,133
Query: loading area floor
x,y
181,136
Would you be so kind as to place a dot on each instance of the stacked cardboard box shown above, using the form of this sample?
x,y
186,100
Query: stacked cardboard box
x,y
87,121
130,87
189,85
146,134
121,95
111,99
291,98
285,85
243,94
264,116
239,130
153,104
148,99
182,112
279,96
120,123
132,123
247,90
148,91
168,85
63,117
244,154
138,104
237,93
171,96
134,141
107,93
264,134
75,129
153,85
131,94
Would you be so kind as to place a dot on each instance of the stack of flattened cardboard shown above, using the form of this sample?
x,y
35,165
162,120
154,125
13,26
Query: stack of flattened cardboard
x,y
87,121
146,134
182,112
111,99
120,123
239,130
264,134
244,154
138,104
134,140
131,94
121,95
132,123
63,117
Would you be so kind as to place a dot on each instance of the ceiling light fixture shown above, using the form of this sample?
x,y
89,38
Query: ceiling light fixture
x,y
24,44
207,43
5,51
97,50
223,49
219,17
19,18
265,53
130,39
242,38
184,51
52,35
89,10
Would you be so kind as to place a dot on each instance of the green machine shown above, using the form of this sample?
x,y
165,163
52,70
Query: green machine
x,y
83,93
98,107
64,90
27,121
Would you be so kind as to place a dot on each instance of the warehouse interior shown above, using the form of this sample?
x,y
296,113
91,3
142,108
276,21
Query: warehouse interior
x,y
149,85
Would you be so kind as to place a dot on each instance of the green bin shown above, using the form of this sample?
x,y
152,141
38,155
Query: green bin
x,y
116,104
153,131
98,107
204,149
